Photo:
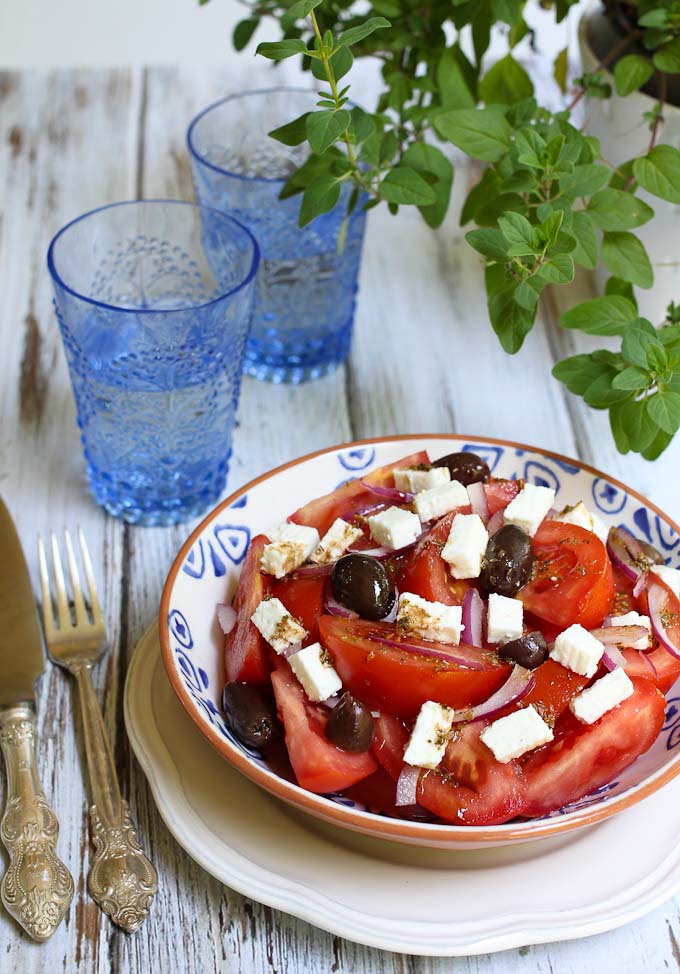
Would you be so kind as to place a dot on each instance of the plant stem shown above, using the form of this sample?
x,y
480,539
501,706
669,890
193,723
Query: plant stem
x,y
659,120
325,60
624,43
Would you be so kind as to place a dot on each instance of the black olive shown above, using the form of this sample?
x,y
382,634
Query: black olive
x,y
508,561
361,583
350,725
250,712
466,468
529,651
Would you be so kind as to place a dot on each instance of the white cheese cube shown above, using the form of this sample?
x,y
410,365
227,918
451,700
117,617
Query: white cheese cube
x,y
505,619
277,625
579,515
291,545
314,669
512,736
438,501
599,527
529,507
413,480
578,650
635,619
431,620
335,542
604,694
394,528
466,546
430,735
671,577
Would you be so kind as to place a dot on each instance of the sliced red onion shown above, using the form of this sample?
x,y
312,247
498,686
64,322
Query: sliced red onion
x,y
290,650
391,493
650,664
331,702
381,553
378,553
226,616
335,608
496,522
620,635
311,571
362,510
660,615
517,685
613,658
407,786
460,655
640,585
626,552
478,500
473,617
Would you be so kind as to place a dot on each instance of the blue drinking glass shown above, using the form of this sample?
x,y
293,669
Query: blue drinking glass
x,y
306,286
154,301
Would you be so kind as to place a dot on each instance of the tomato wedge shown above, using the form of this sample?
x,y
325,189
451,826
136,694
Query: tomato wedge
x,y
303,597
572,580
554,687
499,493
667,666
319,766
344,500
425,573
399,682
584,757
246,655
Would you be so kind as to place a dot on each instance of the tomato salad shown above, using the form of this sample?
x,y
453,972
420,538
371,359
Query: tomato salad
x,y
440,644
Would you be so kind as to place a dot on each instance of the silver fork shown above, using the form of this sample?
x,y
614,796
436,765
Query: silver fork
x,y
121,878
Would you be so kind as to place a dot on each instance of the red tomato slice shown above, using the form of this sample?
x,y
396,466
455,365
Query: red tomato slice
x,y
554,687
303,597
667,666
584,757
499,493
399,682
638,664
321,513
572,579
425,573
246,655
319,766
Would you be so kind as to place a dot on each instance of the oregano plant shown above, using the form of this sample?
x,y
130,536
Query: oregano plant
x,y
546,199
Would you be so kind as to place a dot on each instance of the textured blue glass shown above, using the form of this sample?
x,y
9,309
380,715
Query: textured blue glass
x,y
154,301
306,286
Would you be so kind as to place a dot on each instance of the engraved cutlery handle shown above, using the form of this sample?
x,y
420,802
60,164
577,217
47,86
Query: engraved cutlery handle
x,y
37,888
121,880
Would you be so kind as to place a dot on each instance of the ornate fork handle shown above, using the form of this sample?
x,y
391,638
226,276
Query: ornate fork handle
x,y
37,888
121,879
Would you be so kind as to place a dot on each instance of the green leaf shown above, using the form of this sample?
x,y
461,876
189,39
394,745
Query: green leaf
x,y
664,409
526,296
519,234
479,195
510,321
586,249
320,196
584,180
404,185
601,395
482,133
560,69
631,73
302,8
325,128
489,243
638,342
558,270
667,58
278,50
243,31
360,33
578,372
530,147
659,172
612,209
363,124
657,446
618,428
636,421
625,257
426,158
632,378
340,61
615,285
608,315
496,206
293,133
453,88
505,83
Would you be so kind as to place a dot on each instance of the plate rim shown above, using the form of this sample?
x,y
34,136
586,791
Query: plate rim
x,y
355,819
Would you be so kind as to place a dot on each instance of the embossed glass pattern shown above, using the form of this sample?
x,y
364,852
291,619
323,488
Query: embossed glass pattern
x,y
306,287
154,301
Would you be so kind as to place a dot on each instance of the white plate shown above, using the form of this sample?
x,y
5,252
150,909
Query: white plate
x,y
419,901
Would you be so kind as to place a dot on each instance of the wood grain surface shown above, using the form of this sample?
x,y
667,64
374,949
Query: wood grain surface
x,y
424,359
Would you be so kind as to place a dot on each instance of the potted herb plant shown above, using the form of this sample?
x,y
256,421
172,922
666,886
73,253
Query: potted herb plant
x,y
548,198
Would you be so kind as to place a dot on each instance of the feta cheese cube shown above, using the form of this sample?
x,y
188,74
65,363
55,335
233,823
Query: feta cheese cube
x,y
604,694
512,736
430,735
635,619
413,480
291,545
314,669
431,620
529,507
438,501
671,576
335,542
578,650
394,528
579,515
273,620
466,546
505,619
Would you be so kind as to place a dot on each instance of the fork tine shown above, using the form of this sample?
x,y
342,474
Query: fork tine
x,y
78,601
47,608
91,584
63,611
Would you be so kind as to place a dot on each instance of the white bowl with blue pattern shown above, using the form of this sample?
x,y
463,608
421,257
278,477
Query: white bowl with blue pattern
x,y
206,571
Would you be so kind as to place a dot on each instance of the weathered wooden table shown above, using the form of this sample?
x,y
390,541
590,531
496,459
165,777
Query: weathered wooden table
x,y
424,359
